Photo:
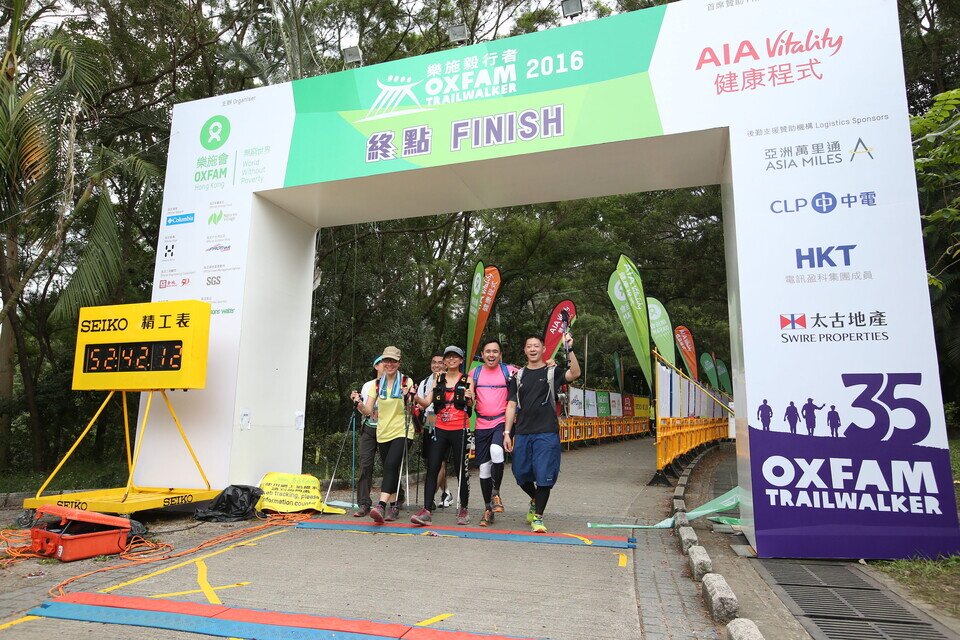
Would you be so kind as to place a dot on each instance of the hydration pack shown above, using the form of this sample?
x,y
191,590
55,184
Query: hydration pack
x,y
439,393
551,388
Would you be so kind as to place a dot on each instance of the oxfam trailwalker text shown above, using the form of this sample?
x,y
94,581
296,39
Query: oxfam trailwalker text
x,y
841,434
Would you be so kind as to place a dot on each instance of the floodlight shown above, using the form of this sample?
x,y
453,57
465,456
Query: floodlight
x,y
571,8
457,33
352,55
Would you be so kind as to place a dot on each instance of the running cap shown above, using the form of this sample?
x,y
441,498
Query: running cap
x,y
453,349
391,353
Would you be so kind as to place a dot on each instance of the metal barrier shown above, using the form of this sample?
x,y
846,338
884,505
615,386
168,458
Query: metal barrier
x,y
576,429
677,436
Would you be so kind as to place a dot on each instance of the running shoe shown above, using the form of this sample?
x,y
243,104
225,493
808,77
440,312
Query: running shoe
x,y
532,511
487,518
462,516
497,504
422,517
392,514
362,512
446,500
376,514
537,525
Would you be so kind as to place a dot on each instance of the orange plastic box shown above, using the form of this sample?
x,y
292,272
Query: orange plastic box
x,y
79,534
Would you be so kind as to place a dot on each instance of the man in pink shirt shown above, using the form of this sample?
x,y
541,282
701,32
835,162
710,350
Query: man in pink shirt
x,y
490,388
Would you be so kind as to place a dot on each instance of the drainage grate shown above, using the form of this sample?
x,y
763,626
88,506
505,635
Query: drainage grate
x,y
837,601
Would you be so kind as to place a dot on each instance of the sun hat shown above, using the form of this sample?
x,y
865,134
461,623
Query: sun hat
x,y
392,353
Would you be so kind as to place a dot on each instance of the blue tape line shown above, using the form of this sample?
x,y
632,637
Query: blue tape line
x,y
188,623
474,535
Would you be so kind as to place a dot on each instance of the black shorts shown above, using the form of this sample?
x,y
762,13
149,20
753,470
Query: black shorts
x,y
484,438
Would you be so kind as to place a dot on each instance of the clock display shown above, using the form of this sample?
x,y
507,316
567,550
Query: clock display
x,y
159,355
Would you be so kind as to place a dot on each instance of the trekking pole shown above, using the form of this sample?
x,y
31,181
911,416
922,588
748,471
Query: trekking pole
x,y
353,459
407,418
343,445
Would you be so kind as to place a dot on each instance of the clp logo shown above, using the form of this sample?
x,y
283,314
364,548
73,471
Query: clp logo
x,y
215,132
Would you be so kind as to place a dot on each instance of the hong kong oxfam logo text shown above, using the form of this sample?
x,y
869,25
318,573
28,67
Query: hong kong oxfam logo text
x,y
215,132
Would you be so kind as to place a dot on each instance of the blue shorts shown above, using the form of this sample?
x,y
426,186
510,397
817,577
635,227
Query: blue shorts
x,y
485,438
536,458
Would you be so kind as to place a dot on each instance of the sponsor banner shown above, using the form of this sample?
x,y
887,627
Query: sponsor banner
x,y
589,403
688,351
628,406
618,370
678,397
561,319
661,331
529,94
709,369
723,376
616,404
626,292
603,404
577,406
483,293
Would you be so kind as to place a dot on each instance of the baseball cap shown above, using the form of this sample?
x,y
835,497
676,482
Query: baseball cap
x,y
453,349
377,360
392,353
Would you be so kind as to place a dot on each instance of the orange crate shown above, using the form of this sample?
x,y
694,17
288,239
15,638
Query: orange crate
x,y
79,534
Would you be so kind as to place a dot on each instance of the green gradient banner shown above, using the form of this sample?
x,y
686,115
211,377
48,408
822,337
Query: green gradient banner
x,y
549,90
723,377
708,369
661,331
626,292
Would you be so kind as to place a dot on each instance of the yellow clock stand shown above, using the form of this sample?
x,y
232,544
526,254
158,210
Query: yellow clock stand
x,y
147,348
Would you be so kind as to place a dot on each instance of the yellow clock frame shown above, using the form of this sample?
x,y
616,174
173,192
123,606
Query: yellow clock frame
x,y
151,345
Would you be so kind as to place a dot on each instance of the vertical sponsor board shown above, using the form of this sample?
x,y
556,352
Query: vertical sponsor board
x,y
840,425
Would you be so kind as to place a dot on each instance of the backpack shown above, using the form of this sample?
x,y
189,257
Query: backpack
x,y
506,382
551,386
440,389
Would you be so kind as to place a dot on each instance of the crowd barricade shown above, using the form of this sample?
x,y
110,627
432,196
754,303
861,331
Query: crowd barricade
x,y
578,429
677,436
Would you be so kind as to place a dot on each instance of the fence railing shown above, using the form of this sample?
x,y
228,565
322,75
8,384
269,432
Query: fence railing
x,y
576,429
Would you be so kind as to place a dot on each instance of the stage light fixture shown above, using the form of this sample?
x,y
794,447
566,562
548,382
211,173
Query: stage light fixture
x,y
571,8
457,33
352,55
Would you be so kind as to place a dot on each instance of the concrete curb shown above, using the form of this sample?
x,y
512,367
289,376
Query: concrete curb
x,y
700,563
717,594
743,629
720,598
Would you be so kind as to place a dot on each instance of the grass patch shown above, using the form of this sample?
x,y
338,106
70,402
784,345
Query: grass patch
x,y
77,474
935,581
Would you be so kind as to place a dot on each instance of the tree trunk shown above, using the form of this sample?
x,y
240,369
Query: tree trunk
x,y
6,392
39,441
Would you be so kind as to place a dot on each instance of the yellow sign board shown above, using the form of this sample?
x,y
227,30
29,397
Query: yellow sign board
x,y
151,345
289,493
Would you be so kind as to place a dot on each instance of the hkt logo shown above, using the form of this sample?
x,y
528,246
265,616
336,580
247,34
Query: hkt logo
x,y
824,202
793,321
819,256
783,44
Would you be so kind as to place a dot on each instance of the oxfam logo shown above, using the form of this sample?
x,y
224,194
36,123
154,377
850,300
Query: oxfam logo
x,y
215,132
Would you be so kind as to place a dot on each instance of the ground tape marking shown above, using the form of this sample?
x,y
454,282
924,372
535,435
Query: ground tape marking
x,y
562,539
221,621
191,624
208,591
458,529
188,562
429,621
14,623
621,559
193,591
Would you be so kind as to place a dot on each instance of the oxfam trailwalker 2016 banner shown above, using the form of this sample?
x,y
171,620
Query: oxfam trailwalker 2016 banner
x,y
798,110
